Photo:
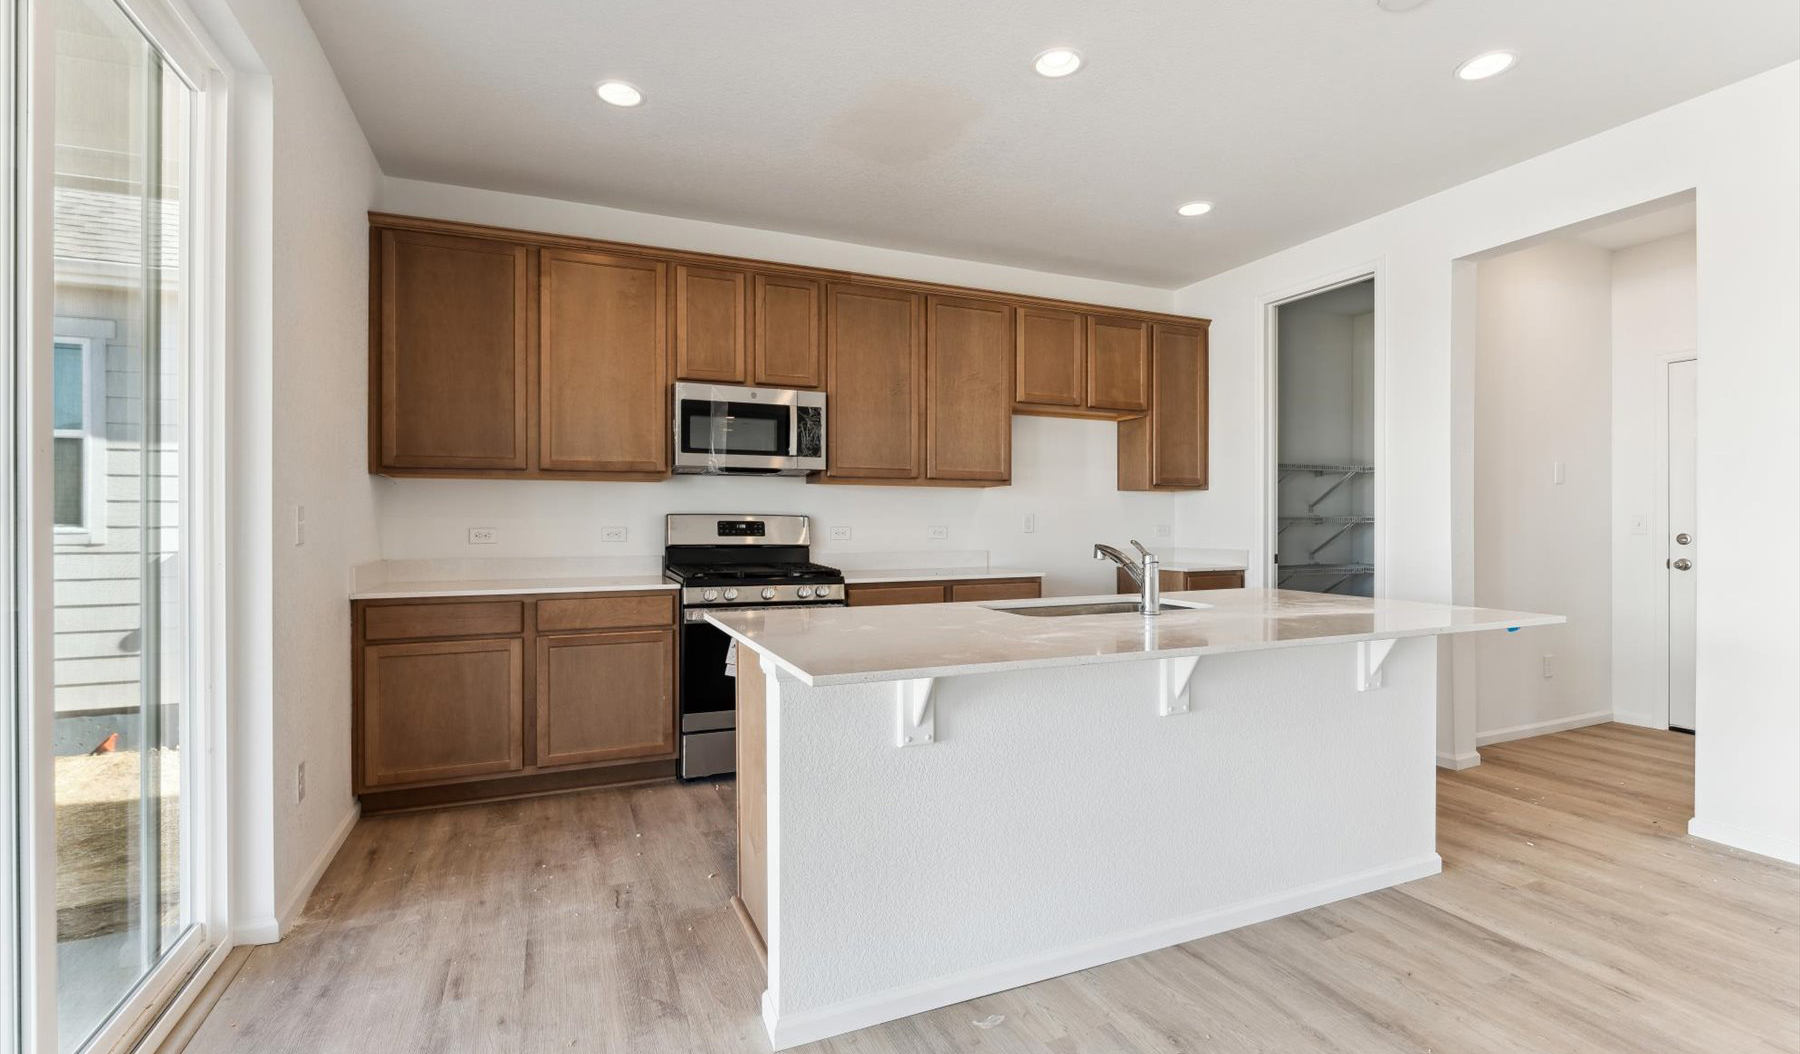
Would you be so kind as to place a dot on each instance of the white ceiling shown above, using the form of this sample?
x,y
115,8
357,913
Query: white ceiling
x,y
919,124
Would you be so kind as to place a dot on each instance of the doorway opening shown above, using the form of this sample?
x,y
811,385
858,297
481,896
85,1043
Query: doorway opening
x,y
1324,498
1579,394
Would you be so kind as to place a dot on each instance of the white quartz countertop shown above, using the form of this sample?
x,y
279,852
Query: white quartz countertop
x,y
927,574
826,646
481,587
1203,565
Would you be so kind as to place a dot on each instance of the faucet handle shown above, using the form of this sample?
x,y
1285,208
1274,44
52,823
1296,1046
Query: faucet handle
x,y
1143,552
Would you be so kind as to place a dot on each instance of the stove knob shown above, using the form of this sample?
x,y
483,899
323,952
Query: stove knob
x,y
768,593
804,592
731,594
710,595
821,591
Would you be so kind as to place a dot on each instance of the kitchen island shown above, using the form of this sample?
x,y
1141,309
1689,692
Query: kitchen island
x,y
940,802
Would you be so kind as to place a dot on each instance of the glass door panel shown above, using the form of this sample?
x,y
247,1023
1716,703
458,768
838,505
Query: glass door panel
x,y
122,121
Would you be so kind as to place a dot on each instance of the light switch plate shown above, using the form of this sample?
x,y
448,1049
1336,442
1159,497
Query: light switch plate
x,y
483,536
1031,523
613,534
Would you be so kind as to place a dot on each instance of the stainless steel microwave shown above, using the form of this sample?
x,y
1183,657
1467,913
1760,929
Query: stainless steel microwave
x,y
729,428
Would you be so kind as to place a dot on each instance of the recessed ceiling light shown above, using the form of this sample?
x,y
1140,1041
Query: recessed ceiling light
x,y
1195,208
1491,64
1057,62
618,93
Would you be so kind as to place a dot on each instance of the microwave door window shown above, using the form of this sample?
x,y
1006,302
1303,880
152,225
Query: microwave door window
x,y
725,429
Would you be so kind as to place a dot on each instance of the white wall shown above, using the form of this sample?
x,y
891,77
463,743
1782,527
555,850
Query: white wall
x,y
1543,395
306,177
1064,471
1654,317
1739,149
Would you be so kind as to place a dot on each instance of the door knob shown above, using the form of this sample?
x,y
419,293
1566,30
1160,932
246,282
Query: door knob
x,y
1683,538
1684,564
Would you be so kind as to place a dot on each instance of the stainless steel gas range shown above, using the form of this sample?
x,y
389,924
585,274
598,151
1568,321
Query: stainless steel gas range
x,y
732,562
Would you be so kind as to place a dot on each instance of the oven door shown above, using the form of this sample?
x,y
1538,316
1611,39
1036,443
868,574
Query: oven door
x,y
723,429
709,694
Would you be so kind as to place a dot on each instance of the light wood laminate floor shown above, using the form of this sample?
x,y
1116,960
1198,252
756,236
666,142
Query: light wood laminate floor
x,y
1573,914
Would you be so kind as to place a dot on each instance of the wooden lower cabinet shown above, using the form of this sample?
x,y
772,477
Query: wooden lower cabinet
x,y
1173,581
441,710
528,694
605,696
873,594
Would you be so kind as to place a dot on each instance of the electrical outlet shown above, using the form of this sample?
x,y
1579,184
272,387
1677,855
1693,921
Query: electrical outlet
x,y
937,533
299,525
840,534
1031,523
299,783
1548,672
613,534
1162,530
483,536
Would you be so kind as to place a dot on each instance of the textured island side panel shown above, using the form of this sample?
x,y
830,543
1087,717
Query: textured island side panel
x,y
1059,822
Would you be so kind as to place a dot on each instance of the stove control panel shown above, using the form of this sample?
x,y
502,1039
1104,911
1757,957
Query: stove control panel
x,y
697,596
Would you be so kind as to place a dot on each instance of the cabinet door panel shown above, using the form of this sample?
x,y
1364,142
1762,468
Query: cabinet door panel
x,y
1118,363
785,338
603,370
605,697
1178,418
709,324
968,389
876,374
454,353
1052,358
442,709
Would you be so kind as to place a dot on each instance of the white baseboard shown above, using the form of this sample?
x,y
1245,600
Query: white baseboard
x,y
1542,728
1640,720
1459,761
792,1030
267,930
1749,841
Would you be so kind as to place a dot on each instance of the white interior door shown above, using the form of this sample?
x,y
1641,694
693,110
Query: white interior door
x,y
1682,543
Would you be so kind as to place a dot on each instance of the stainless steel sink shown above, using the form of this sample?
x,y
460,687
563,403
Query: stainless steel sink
x,y
1109,607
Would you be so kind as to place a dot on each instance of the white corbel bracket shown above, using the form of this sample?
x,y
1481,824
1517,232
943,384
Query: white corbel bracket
x,y
1370,654
916,716
1174,678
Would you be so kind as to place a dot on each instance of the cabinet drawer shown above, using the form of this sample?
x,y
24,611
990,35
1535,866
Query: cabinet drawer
x,y
1213,580
413,621
871,595
618,612
1010,589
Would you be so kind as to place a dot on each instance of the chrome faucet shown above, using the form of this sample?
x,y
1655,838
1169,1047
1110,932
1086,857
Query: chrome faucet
x,y
1144,571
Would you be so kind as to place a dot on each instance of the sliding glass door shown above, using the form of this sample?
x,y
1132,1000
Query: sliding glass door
x,y
115,355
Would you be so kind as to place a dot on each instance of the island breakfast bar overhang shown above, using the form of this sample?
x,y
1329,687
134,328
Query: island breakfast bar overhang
x,y
941,802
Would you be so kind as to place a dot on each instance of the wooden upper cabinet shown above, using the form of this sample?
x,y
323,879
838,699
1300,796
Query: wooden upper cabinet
x,y
603,371
1168,448
875,352
1118,363
453,354
438,710
710,330
605,696
968,389
1051,358
786,340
